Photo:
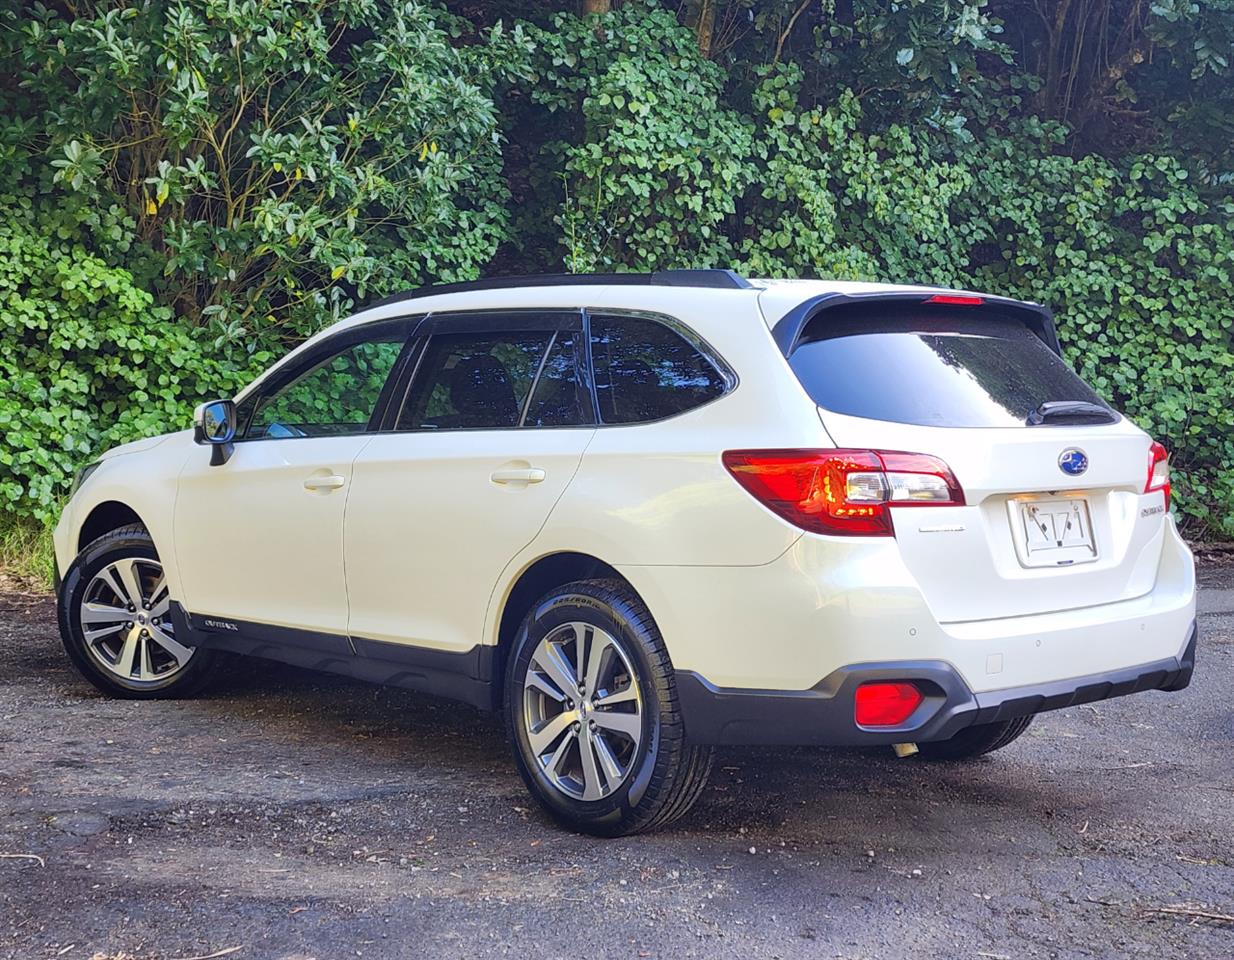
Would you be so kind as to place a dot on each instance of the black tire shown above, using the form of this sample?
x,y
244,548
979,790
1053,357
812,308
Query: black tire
x,y
666,774
975,741
131,542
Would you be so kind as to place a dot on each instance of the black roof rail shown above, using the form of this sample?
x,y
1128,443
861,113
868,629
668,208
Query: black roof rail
x,y
715,279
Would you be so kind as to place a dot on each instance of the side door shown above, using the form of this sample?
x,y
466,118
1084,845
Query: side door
x,y
259,539
487,436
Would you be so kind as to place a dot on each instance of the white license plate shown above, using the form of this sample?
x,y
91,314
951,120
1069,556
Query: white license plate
x,y
1053,533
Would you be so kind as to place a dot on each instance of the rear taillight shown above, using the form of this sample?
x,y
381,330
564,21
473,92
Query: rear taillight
x,y
1158,471
885,704
845,492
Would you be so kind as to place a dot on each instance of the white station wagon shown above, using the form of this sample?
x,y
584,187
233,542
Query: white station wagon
x,y
646,515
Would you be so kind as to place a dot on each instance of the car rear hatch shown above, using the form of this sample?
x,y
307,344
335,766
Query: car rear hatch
x,y
1055,513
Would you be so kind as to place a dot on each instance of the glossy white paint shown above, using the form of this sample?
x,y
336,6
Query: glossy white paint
x,y
830,601
142,476
260,537
429,529
975,574
419,545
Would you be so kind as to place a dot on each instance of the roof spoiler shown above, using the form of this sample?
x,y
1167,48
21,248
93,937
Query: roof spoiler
x,y
789,328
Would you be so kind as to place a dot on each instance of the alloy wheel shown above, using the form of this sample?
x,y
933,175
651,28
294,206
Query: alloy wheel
x,y
125,623
582,711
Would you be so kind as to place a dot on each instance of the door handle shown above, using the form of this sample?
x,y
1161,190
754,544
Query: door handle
x,y
518,475
331,482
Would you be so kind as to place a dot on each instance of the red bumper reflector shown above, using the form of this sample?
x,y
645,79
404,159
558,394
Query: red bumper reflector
x,y
885,704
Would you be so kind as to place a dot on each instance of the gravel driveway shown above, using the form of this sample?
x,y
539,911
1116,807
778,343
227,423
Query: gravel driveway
x,y
291,815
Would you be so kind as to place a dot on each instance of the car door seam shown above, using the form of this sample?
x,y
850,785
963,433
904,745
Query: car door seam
x,y
501,577
351,644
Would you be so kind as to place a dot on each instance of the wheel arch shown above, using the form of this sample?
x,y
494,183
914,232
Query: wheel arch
x,y
103,518
535,580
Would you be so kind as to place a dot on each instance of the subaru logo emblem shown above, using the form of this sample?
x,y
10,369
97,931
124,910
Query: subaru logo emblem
x,y
1073,461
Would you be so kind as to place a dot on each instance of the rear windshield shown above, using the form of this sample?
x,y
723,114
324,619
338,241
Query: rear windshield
x,y
938,371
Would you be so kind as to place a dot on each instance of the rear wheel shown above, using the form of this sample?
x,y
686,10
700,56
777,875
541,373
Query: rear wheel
x,y
113,610
975,741
592,711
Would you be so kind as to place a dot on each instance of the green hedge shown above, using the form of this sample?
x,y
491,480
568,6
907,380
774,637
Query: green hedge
x,y
397,145
1134,257
88,360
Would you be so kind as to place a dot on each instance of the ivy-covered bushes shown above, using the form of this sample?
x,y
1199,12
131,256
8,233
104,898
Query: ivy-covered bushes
x,y
280,156
89,360
1133,257
655,163
193,186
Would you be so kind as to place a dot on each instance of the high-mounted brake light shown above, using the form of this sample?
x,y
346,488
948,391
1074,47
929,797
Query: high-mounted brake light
x,y
956,299
885,704
1158,471
843,492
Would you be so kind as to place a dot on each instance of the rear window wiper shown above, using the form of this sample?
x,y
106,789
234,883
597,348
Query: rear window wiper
x,y
1070,411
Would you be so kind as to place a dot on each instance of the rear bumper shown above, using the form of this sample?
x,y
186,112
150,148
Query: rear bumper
x,y
823,714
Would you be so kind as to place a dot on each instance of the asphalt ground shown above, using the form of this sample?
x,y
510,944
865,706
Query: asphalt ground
x,y
292,815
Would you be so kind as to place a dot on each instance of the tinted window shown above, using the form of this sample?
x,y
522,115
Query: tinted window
x,y
645,371
556,400
930,371
337,396
472,381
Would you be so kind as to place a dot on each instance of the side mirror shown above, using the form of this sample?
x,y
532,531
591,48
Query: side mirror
x,y
214,423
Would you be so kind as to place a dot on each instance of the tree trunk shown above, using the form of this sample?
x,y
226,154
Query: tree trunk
x,y
597,6
701,18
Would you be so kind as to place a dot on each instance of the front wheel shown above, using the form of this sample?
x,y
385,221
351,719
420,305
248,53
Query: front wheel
x,y
113,612
592,710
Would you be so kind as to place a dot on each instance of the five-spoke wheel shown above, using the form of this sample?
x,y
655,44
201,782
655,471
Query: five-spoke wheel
x,y
591,704
582,710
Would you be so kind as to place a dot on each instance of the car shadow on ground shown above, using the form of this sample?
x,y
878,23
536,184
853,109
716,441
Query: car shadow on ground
x,y
751,787
337,730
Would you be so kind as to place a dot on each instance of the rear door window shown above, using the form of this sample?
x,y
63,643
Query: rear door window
x,y
932,370
500,372
645,371
468,381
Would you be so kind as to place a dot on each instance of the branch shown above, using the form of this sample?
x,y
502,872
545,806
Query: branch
x,y
787,30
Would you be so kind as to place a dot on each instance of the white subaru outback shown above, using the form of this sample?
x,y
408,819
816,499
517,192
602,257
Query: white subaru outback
x,y
645,515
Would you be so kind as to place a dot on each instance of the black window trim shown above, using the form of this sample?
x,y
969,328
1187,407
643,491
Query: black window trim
x,y
687,333
488,320
276,379
420,329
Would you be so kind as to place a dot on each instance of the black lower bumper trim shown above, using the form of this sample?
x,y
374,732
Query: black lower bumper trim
x,y
823,715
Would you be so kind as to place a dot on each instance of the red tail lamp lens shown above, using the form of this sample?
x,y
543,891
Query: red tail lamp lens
x,y
1159,471
843,492
885,704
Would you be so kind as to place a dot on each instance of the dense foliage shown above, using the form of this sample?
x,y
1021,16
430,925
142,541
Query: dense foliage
x,y
89,360
273,152
194,185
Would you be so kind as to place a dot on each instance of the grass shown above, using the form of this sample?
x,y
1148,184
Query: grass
x,y
26,552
